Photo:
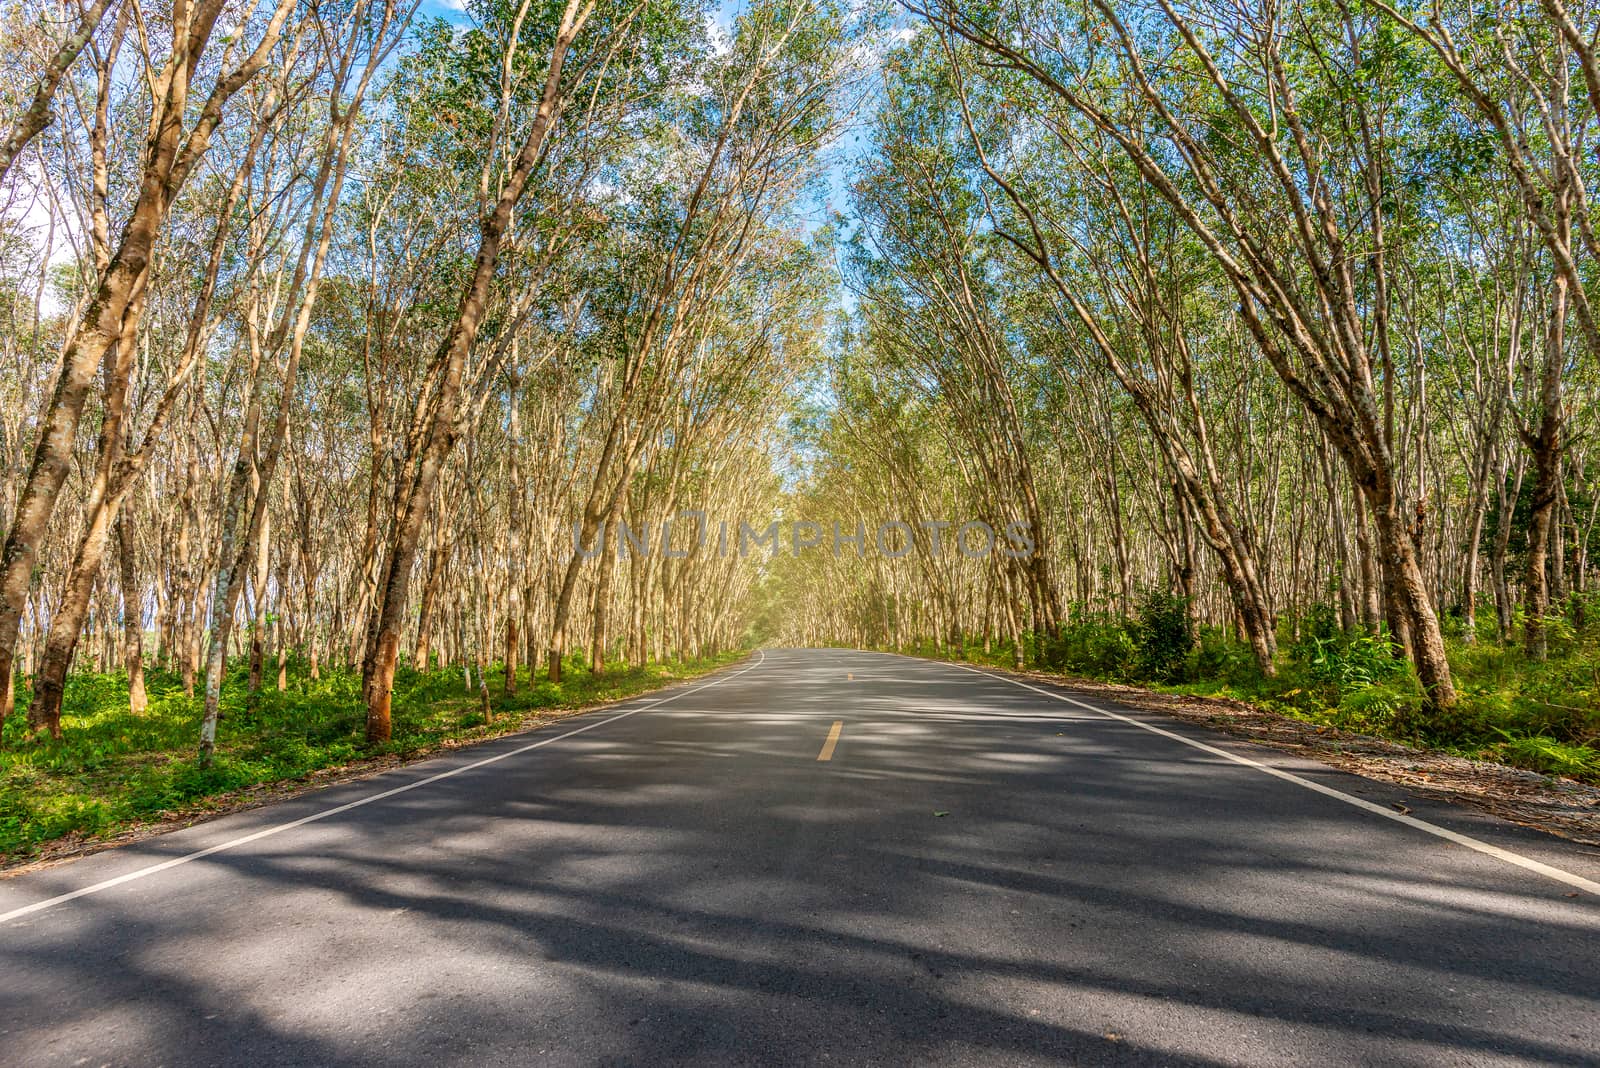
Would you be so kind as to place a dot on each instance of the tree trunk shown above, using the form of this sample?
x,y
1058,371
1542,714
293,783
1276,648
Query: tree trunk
x,y
1409,590
383,645
1544,445
602,602
132,618
425,611
511,651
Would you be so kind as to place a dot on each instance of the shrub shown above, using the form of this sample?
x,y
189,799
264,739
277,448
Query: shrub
x,y
1340,662
1320,623
1548,756
1393,706
1098,645
1165,634
1219,655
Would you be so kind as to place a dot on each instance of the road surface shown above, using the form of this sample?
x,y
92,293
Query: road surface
x,y
821,857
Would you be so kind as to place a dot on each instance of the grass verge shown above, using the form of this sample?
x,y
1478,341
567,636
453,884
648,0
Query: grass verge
x,y
1541,716
112,771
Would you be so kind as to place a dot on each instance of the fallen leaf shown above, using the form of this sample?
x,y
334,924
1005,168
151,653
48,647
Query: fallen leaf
x,y
937,812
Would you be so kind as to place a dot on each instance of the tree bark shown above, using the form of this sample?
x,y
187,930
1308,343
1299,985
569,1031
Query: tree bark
x,y
132,617
1544,445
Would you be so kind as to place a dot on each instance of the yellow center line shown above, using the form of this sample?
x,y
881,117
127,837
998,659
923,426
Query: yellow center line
x,y
833,740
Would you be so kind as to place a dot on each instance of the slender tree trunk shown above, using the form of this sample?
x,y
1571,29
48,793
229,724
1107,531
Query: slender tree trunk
x,y
1544,445
511,652
425,611
1472,557
591,537
602,603
132,617
258,602
1366,558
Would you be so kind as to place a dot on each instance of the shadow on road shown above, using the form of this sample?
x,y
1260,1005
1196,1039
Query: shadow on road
x,y
693,886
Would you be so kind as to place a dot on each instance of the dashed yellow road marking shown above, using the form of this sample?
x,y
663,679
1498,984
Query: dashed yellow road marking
x,y
833,740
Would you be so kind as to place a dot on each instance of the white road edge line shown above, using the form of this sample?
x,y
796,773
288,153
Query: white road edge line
x,y
267,832
1506,855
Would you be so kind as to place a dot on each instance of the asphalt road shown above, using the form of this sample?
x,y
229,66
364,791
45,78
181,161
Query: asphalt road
x,y
978,874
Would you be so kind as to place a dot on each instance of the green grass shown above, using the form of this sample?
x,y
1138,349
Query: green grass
x,y
1543,716
112,769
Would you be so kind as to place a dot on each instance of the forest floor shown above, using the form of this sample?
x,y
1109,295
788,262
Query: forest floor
x,y
1551,803
115,778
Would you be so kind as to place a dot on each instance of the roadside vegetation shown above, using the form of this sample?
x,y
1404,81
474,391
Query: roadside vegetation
x,y
1541,715
112,768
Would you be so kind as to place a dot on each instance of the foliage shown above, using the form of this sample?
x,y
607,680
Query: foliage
x,y
112,769
1539,753
1540,715
1340,661
1156,646
1221,657
1164,635
1098,645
